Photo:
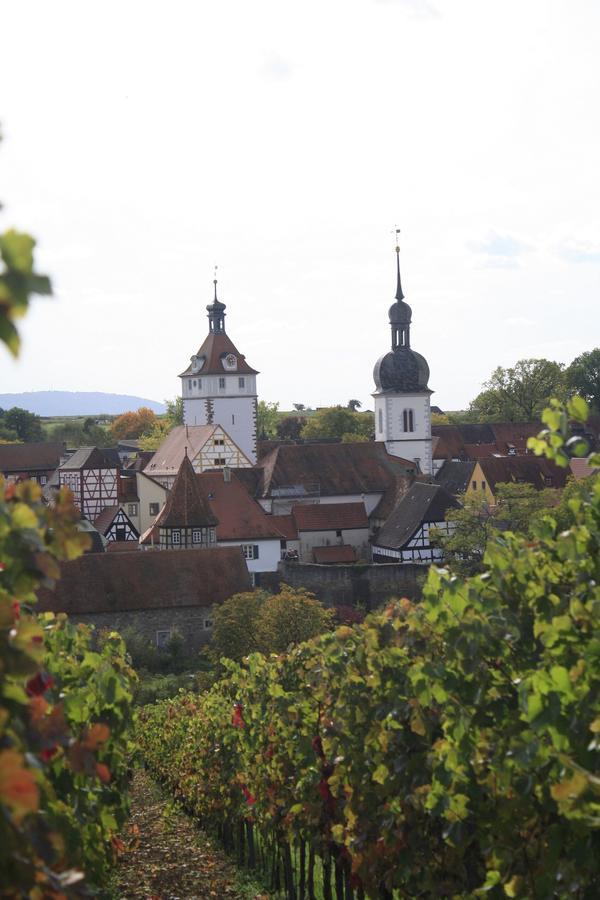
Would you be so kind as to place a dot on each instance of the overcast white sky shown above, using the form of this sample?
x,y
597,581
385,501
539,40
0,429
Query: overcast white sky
x,y
146,141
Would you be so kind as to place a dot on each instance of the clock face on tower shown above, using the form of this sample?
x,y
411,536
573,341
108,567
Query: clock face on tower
x,y
230,361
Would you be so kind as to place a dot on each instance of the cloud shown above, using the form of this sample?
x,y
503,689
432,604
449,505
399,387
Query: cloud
x,y
519,322
501,251
577,251
275,68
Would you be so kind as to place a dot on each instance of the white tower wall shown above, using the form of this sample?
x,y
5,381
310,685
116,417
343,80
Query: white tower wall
x,y
390,422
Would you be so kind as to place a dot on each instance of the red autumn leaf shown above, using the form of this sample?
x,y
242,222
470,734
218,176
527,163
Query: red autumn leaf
x,y
103,773
96,735
39,684
249,797
16,608
237,719
47,754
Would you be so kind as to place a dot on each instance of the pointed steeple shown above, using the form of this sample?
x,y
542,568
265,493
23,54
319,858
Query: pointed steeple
x,y
399,294
186,506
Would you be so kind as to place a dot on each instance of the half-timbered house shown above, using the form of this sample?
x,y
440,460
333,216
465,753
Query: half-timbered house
x,y
116,526
406,535
208,447
186,521
92,475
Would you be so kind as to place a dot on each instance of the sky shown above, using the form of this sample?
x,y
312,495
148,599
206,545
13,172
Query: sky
x,y
146,142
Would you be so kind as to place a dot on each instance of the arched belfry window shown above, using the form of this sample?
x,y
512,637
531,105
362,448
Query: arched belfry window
x,y
408,420
380,421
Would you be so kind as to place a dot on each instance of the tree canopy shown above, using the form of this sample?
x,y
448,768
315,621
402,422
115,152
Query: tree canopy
x,y
583,377
339,422
519,393
133,424
24,425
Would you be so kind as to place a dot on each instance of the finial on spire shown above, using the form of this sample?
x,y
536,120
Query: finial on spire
x,y
215,281
399,294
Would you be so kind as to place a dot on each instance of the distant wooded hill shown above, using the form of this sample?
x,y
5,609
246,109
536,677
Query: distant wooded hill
x,y
77,403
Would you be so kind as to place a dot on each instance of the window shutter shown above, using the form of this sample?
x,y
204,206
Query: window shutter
x,y
255,551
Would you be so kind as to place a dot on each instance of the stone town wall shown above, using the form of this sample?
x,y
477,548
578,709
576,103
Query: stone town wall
x,y
353,585
189,621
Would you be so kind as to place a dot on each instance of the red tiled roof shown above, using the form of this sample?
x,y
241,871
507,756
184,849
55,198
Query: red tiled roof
x,y
342,553
29,457
287,526
529,469
330,516
214,348
240,516
186,505
103,521
580,468
111,582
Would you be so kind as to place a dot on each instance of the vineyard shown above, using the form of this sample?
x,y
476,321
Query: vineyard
x,y
443,749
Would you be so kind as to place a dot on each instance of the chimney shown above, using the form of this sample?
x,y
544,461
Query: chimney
x,y
226,474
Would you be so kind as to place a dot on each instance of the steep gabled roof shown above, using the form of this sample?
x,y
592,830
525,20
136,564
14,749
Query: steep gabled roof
x,y
454,477
113,582
422,503
239,516
186,505
330,516
167,459
92,458
24,457
214,348
337,469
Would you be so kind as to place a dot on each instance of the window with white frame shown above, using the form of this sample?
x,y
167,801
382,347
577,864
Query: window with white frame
x,y
219,461
176,536
43,479
250,551
197,536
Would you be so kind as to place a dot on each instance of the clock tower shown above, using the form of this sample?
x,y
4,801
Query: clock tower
x,y
402,395
219,387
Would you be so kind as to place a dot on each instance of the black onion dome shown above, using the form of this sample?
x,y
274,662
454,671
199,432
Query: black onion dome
x,y
401,370
216,306
400,313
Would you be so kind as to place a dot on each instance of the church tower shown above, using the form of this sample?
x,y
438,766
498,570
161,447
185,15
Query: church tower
x,y
219,387
402,395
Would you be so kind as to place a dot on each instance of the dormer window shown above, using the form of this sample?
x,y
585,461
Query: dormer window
x,y
229,362
197,363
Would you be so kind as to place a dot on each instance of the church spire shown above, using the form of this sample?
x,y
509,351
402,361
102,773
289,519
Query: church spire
x,y
399,294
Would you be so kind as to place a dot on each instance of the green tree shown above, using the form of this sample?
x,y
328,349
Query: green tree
x,y
354,405
337,422
518,508
520,393
27,426
235,632
583,377
174,412
267,419
290,617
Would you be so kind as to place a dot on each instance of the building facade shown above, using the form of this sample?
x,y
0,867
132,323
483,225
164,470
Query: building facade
x,y
219,387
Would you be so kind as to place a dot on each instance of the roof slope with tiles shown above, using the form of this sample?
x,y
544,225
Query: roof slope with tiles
x,y
214,349
186,505
330,516
454,477
92,458
36,455
107,582
422,503
167,459
239,516
338,469
538,471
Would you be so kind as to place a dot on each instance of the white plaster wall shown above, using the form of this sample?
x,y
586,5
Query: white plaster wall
x,y
413,445
193,386
356,537
236,416
194,412
269,553
149,492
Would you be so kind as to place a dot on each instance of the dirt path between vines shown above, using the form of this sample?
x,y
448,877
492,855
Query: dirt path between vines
x,y
168,858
